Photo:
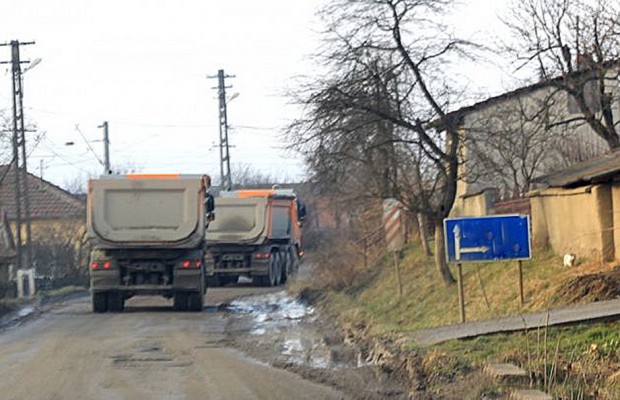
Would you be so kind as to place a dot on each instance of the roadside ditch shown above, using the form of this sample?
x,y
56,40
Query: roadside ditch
x,y
288,331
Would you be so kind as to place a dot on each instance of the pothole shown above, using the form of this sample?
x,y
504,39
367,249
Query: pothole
x,y
283,329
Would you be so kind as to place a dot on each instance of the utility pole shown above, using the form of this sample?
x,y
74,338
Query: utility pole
x,y
225,178
19,153
106,148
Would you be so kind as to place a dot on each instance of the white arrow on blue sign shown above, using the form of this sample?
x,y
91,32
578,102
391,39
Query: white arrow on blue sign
x,y
490,238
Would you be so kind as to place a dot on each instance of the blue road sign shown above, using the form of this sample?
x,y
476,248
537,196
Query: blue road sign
x,y
492,238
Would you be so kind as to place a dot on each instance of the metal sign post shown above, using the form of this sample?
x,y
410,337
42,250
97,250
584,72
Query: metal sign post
x,y
461,293
521,283
394,234
487,239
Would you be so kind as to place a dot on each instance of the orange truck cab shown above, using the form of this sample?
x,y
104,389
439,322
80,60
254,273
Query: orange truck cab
x,y
255,233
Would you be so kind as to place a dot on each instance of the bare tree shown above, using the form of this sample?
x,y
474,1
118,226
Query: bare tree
x,y
60,252
575,46
246,175
374,110
510,143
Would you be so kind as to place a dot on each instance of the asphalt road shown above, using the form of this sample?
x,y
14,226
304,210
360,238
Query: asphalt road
x,y
146,352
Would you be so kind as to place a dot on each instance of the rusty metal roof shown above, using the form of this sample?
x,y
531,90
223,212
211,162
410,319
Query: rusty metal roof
x,y
601,169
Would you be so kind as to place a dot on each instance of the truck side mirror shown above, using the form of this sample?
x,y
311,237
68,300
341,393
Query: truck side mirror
x,y
301,211
209,206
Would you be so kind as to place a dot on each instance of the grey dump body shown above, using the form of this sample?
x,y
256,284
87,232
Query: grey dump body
x,y
238,221
148,237
129,213
252,237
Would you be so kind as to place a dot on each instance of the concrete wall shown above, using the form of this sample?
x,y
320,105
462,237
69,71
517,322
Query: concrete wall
x,y
615,203
476,205
576,221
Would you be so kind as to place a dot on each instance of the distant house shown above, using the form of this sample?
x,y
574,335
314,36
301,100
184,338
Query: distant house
x,y
57,221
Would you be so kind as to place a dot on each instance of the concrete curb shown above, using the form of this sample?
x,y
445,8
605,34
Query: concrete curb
x,y
602,310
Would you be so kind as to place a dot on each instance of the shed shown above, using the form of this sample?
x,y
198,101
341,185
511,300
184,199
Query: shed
x,y
577,210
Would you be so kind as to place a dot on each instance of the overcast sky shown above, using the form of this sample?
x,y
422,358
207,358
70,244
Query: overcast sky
x,y
142,66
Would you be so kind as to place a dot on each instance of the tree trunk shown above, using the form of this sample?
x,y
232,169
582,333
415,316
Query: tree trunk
x,y
423,234
440,255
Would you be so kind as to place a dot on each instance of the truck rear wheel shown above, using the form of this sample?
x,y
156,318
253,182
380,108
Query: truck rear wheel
x,y
286,266
100,302
179,301
195,301
279,267
116,301
270,279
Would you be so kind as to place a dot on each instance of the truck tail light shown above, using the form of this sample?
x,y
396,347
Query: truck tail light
x,y
101,264
191,264
261,256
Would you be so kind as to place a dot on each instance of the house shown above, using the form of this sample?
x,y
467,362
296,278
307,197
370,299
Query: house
x,y
57,222
510,139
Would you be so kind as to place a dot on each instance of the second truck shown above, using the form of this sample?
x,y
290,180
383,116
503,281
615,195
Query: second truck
x,y
257,234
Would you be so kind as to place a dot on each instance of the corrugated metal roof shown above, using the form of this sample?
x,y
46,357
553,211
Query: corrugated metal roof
x,y
600,169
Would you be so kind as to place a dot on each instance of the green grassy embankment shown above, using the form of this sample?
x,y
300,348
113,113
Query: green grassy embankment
x,y
573,362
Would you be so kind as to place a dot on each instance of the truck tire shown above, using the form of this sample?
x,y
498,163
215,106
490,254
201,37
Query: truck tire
x,y
270,279
279,268
179,301
116,301
286,266
195,301
100,302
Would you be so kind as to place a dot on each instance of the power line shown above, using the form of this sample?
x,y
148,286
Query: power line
x,y
71,116
77,128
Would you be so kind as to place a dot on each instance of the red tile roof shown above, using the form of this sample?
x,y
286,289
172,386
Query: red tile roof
x,y
47,201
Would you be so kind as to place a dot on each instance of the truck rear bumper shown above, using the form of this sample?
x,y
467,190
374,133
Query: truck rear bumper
x,y
184,280
257,269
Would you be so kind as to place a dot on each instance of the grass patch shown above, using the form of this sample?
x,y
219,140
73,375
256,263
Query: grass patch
x,y
491,290
579,362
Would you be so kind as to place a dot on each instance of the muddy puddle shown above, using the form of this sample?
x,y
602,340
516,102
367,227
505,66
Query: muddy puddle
x,y
283,330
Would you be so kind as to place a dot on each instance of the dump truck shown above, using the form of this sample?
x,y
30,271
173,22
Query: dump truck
x,y
257,234
147,236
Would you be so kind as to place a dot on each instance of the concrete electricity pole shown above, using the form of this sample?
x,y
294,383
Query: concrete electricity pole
x,y
19,156
106,148
225,178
